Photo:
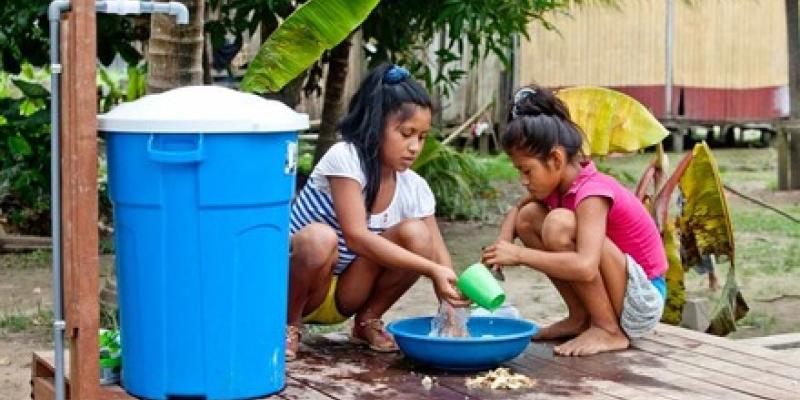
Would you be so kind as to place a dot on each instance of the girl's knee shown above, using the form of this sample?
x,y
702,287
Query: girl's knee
x,y
558,230
529,219
414,235
315,246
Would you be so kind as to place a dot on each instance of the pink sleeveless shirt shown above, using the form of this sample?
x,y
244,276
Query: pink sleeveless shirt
x,y
628,225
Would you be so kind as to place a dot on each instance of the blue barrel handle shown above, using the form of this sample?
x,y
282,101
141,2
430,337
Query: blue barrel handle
x,y
175,157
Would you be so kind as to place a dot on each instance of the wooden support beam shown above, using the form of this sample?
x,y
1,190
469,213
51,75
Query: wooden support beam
x,y
79,198
794,158
782,147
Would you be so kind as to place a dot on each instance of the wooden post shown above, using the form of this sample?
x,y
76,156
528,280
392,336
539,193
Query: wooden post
x,y
483,143
79,198
793,49
782,147
793,135
678,137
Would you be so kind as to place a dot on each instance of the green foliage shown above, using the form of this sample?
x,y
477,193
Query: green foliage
x,y
301,39
458,180
237,17
25,151
499,168
623,177
24,35
305,164
401,30
40,321
15,323
112,91
25,143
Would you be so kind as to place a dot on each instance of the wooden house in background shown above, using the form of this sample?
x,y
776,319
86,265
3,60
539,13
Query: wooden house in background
x,y
729,59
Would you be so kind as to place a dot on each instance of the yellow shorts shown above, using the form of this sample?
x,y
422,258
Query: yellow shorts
x,y
327,313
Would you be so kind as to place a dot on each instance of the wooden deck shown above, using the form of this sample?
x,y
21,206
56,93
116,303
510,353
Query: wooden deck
x,y
673,363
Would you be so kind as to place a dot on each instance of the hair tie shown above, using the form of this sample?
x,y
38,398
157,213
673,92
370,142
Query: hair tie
x,y
395,75
521,95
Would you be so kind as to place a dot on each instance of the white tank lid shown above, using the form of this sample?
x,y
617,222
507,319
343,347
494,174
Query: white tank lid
x,y
198,109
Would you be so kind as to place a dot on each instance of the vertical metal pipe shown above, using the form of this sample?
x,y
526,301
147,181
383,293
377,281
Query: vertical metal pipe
x,y
54,11
54,16
669,58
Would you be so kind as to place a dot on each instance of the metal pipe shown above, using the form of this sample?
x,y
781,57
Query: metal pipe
x,y
125,7
54,11
669,58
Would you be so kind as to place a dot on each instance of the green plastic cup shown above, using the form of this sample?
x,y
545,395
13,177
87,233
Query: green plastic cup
x,y
478,284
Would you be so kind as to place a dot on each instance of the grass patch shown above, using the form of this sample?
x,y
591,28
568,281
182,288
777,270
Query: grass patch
x,y
499,168
758,320
16,323
38,322
26,260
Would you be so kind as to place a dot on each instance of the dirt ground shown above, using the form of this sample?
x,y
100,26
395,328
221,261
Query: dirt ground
x,y
769,273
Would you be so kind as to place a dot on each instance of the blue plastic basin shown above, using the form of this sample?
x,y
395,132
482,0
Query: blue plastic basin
x,y
493,341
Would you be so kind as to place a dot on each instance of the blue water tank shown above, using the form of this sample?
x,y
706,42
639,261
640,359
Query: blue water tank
x,y
201,180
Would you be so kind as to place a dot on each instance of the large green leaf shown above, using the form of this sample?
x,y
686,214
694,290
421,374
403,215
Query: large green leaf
x,y
314,27
612,122
705,223
31,89
676,290
705,228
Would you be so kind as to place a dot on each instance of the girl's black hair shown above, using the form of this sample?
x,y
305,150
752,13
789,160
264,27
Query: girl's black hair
x,y
538,121
388,90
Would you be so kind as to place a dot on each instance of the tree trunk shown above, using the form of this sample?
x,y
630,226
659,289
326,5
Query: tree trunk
x,y
176,51
334,91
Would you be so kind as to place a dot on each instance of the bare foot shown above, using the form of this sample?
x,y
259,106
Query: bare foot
x,y
567,327
594,340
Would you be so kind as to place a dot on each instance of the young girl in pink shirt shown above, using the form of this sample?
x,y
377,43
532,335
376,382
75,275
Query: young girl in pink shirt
x,y
581,228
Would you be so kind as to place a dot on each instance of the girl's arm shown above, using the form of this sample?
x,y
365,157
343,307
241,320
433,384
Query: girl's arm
x,y
440,253
507,228
579,265
352,215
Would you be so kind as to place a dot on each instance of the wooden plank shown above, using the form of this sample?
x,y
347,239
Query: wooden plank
x,y
774,342
43,389
753,382
42,364
611,379
356,374
554,379
549,383
79,200
638,369
774,358
296,390
542,354
685,350
114,392
79,197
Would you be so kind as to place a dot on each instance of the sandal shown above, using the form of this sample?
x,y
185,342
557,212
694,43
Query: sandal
x,y
378,340
293,336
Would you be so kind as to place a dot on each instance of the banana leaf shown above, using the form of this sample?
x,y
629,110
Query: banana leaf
x,y
612,122
313,28
705,228
705,223
655,194
676,289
